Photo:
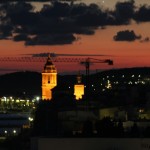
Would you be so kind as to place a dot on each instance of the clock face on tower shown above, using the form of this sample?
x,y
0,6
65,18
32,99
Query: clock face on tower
x,y
49,79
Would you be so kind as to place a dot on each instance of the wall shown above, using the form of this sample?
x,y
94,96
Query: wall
x,y
89,144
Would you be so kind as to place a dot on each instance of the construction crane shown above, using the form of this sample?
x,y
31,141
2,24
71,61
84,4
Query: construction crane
x,y
62,54
87,63
84,61
43,56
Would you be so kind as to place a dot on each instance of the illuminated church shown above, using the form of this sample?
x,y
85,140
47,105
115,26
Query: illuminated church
x,y
49,82
49,79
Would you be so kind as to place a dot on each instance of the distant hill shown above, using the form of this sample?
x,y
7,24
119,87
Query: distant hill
x,y
20,84
26,84
127,71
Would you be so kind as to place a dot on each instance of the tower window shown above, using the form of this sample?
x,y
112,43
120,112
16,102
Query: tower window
x,y
48,79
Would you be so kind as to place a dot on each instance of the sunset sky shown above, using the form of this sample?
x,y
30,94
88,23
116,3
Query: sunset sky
x,y
119,30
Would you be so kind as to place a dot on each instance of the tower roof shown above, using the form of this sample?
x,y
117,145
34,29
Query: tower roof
x,y
49,61
49,66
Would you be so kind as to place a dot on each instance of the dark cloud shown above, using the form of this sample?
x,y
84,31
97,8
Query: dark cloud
x,y
5,31
123,13
54,24
24,18
43,54
51,39
126,36
58,22
38,1
143,14
21,37
62,54
91,16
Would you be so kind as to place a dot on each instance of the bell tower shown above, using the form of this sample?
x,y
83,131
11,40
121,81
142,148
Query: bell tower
x,y
78,88
49,79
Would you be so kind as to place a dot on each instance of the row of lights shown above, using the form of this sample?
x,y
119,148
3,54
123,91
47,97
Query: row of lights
x,y
123,76
117,82
14,132
4,98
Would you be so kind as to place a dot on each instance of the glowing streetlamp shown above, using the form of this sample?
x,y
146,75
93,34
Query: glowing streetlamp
x,y
30,121
14,132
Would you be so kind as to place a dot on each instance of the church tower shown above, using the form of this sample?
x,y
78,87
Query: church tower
x,y
49,79
78,88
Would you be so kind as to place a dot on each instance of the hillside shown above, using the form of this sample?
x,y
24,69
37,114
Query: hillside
x,y
20,84
29,83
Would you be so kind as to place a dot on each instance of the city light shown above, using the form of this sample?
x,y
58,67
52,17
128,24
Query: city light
x,y
30,119
37,98
5,131
14,131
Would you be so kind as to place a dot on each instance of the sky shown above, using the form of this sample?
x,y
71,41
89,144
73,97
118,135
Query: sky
x,y
117,30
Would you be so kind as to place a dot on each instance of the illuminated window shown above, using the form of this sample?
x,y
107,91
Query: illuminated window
x,y
48,79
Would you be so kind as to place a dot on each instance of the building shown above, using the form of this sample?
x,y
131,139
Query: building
x,y
11,124
78,88
49,79
90,143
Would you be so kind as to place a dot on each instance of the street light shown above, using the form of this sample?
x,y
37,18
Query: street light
x,y
14,131
37,98
5,132
30,121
